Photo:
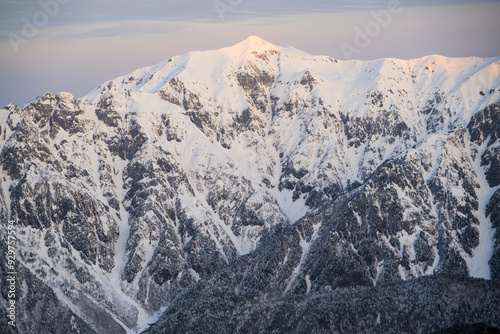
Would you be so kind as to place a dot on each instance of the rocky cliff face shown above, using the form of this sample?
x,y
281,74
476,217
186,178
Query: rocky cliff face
x,y
257,176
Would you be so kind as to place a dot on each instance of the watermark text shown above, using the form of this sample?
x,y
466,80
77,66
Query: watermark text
x,y
31,26
224,6
364,36
11,273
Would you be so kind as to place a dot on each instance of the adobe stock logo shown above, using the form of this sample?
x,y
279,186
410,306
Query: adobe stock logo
x,y
372,29
221,7
30,28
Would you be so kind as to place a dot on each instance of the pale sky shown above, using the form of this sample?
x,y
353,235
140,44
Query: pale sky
x,y
74,46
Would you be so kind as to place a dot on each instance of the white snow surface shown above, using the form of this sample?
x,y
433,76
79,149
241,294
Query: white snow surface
x,y
478,262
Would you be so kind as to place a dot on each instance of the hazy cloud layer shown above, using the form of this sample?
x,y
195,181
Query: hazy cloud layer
x,y
93,11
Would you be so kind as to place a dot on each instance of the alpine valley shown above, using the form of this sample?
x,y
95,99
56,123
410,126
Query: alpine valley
x,y
258,189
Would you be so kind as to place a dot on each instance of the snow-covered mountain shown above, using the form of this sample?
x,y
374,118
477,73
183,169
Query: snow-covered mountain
x,y
251,174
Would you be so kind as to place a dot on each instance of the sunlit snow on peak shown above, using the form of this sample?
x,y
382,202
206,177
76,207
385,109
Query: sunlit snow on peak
x,y
253,45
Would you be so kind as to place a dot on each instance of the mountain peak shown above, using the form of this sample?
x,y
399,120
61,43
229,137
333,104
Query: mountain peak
x,y
256,42
251,45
